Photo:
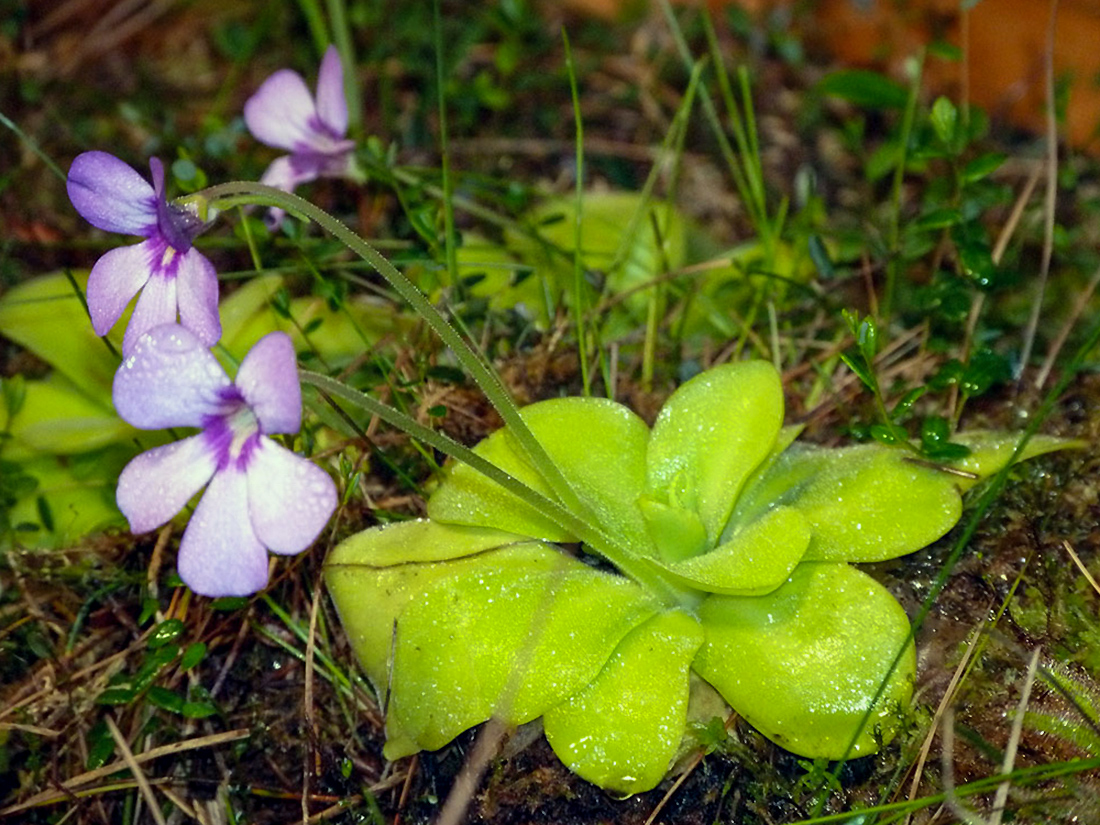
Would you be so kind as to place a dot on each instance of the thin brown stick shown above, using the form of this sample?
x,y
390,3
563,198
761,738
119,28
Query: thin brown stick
x,y
71,787
999,247
1060,339
1080,565
947,763
1001,797
307,701
179,802
485,749
156,559
405,789
1051,192
35,729
135,769
941,709
695,762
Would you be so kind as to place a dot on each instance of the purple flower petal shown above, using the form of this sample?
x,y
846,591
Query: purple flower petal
x,y
268,380
332,104
114,280
281,112
169,380
158,483
156,306
197,293
290,498
109,194
290,170
156,168
220,555
286,173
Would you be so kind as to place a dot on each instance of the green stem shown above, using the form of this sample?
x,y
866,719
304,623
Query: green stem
x,y
341,34
315,22
231,194
578,274
894,263
30,143
445,156
739,167
581,521
1034,773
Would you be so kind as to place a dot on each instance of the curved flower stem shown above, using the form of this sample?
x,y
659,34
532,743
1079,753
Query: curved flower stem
x,y
579,518
232,194
445,444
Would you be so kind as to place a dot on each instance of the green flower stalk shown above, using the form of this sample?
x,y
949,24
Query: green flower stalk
x,y
730,547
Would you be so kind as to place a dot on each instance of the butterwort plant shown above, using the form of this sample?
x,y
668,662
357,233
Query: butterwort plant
x,y
175,279
577,566
259,495
709,553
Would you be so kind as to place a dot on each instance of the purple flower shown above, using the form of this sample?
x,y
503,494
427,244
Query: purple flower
x,y
177,278
260,494
283,114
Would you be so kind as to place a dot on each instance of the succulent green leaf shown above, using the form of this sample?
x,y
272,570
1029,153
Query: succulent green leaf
x,y
59,419
756,559
505,638
623,730
990,451
724,293
803,663
630,238
374,574
677,532
476,615
600,448
240,309
617,233
490,271
418,541
710,436
497,629
74,497
864,503
46,316
467,497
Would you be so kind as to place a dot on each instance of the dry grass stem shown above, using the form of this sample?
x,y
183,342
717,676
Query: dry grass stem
x,y
1081,566
941,709
1051,192
77,783
1001,797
